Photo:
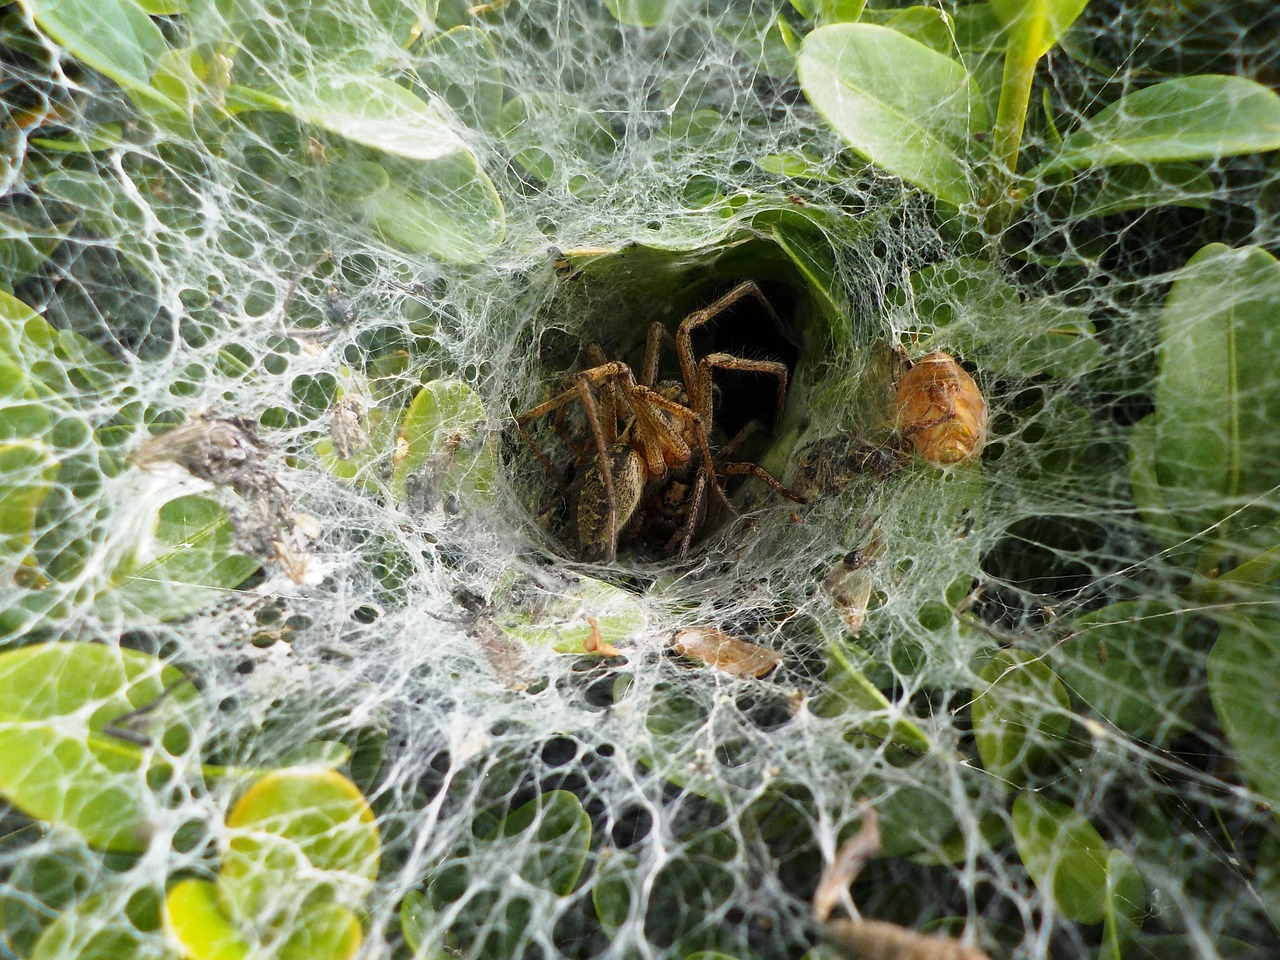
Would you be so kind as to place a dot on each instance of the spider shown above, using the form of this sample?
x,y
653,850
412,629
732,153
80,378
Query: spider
x,y
649,449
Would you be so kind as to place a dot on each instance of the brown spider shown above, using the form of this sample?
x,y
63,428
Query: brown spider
x,y
650,443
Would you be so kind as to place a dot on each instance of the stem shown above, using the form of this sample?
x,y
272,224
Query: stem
x,y
1011,116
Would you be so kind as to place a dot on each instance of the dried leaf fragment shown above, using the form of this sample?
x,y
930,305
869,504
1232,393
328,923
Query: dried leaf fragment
x,y
878,940
596,643
874,939
715,648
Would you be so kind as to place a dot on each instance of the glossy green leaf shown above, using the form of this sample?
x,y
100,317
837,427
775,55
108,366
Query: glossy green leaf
x,y
1065,856
303,38
298,835
28,238
99,138
413,927
114,37
849,689
835,11
377,113
1244,685
919,127
1128,663
1124,906
1036,25
72,736
49,367
443,448
186,561
1191,118
1164,525
642,13
196,920
1019,711
1217,397
461,67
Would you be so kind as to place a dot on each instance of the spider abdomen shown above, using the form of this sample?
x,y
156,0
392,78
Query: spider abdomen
x,y
596,535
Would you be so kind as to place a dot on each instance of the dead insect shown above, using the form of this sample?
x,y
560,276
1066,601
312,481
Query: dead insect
x,y
850,583
715,648
940,412
347,427
646,437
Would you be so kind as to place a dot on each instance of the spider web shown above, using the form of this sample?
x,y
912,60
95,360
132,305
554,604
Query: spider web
x,y
1051,672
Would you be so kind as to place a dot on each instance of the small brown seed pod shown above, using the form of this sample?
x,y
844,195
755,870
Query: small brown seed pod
x,y
941,413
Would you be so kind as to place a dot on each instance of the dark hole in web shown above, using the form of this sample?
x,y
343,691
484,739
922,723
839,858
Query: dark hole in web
x,y
746,330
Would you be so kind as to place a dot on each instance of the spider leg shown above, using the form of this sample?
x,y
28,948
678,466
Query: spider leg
x,y
647,396
653,353
684,334
739,438
581,390
611,402
693,519
727,361
755,470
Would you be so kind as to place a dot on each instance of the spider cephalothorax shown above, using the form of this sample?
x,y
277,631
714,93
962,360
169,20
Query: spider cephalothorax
x,y
648,458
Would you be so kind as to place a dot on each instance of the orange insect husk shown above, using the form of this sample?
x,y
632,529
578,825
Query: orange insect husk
x,y
715,648
940,411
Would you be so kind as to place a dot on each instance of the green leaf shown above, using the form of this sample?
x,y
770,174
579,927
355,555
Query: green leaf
x,y
613,887
375,112
1019,712
1128,664
1036,25
444,448
918,127
549,837
1216,394
114,37
1244,685
461,67
1164,525
448,209
28,237
197,921
1065,856
96,929
1135,188
69,718
1191,118
27,472
966,307
929,25
1124,905
838,11
298,835
642,13
561,620
301,38
186,561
